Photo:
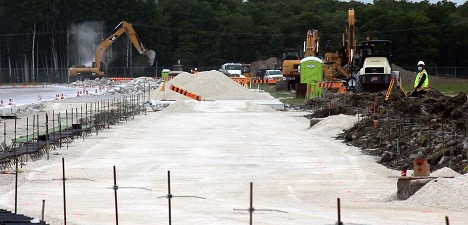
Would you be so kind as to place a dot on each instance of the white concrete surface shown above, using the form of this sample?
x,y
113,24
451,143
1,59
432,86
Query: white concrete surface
x,y
214,153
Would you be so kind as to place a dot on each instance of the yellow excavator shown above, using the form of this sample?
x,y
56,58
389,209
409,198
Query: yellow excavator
x,y
97,70
292,57
312,43
337,65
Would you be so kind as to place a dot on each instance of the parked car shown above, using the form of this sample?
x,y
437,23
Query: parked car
x,y
273,74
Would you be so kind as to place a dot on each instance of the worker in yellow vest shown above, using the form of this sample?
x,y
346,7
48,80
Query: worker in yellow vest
x,y
421,83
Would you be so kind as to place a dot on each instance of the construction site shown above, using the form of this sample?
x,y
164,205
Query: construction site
x,y
236,155
349,145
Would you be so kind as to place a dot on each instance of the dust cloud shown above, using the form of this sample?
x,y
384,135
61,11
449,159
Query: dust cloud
x,y
84,39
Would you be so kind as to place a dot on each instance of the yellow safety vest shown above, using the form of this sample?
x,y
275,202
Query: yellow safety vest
x,y
425,85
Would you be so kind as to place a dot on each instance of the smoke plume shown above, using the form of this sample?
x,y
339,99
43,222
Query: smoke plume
x,y
84,39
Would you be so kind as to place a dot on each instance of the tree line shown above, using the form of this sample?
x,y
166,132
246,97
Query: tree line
x,y
58,34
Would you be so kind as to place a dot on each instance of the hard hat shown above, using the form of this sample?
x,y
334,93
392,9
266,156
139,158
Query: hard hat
x,y
421,63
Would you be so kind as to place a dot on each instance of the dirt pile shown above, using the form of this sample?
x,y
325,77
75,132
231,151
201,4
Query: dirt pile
x,y
435,193
270,63
397,131
214,85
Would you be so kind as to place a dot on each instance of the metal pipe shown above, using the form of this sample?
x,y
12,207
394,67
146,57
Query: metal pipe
x,y
43,209
339,212
53,122
251,209
96,118
86,114
81,122
34,126
66,122
98,114
4,132
16,119
108,112
27,136
115,198
169,196
60,129
47,136
64,193
16,176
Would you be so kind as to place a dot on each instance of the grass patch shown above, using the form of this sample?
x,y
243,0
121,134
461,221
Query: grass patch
x,y
452,88
446,86
287,97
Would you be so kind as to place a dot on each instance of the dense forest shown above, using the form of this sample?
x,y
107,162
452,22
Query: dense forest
x,y
38,36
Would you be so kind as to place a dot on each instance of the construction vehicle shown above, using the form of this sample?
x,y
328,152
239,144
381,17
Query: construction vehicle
x,y
373,66
338,66
246,70
232,69
97,70
176,69
363,68
290,66
292,58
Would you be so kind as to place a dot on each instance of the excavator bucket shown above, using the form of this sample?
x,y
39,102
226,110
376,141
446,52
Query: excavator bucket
x,y
151,55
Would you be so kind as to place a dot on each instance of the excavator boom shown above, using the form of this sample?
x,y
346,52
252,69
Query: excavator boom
x,y
97,70
311,44
339,65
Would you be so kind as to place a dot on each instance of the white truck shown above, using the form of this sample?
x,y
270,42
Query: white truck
x,y
232,69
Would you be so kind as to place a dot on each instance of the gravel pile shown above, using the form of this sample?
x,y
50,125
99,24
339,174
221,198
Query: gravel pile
x,y
445,172
447,193
213,85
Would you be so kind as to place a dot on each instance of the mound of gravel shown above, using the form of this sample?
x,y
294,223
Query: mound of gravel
x,y
448,193
445,172
335,124
214,85
180,107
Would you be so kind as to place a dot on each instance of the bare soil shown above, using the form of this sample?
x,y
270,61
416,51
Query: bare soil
x,y
399,130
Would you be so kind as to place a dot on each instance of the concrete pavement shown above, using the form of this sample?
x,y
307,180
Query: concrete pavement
x,y
213,154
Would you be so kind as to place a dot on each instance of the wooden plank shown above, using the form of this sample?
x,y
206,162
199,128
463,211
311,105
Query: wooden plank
x,y
419,177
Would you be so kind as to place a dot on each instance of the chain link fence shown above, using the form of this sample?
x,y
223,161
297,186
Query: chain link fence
x,y
452,72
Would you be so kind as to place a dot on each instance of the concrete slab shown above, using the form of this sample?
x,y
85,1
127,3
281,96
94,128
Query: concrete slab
x,y
213,153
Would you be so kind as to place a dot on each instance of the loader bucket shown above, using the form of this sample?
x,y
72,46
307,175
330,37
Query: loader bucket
x,y
151,55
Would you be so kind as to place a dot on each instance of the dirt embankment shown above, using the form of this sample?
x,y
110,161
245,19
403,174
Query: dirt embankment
x,y
399,130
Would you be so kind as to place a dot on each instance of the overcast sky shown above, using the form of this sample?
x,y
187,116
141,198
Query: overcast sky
x,y
458,2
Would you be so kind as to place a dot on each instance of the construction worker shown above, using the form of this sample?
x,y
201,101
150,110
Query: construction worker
x,y
195,71
421,83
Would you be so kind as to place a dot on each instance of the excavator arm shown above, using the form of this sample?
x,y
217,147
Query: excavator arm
x,y
97,70
121,28
311,44
338,65
350,43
